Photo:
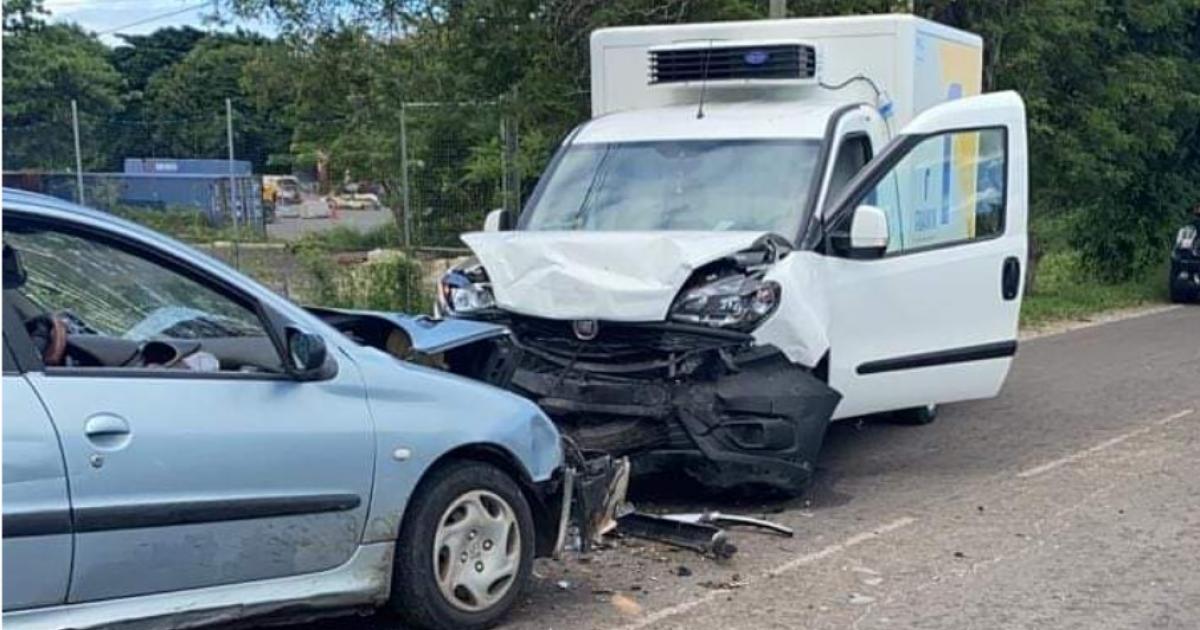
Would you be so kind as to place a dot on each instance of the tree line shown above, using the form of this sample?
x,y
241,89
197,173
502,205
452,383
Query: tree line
x,y
1112,89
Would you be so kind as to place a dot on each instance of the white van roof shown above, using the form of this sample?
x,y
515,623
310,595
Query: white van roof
x,y
721,121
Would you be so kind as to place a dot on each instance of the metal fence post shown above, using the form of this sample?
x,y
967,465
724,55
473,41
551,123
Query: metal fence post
x,y
78,156
233,209
512,176
407,197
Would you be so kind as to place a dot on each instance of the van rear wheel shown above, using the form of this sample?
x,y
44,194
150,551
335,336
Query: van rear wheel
x,y
465,550
915,415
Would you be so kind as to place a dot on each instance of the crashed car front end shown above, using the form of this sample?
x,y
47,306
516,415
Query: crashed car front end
x,y
695,392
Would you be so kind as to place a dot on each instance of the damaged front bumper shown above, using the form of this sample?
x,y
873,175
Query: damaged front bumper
x,y
672,397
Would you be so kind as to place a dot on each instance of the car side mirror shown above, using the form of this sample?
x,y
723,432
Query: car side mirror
x,y
868,232
498,220
307,357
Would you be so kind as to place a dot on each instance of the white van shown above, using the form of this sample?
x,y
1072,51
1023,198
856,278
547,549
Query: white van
x,y
766,225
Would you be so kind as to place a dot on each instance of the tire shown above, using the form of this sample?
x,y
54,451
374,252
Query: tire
x,y
915,416
452,503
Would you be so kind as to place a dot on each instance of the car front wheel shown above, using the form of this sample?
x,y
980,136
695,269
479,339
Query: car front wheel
x,y
465,550
1182,290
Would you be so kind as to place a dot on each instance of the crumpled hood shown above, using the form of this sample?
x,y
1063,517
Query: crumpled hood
x,y
614,276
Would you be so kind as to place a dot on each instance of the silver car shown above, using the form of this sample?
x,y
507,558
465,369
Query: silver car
x,y
182,446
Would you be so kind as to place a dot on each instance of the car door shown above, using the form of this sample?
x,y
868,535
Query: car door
x,y
934,318
218,469
37,510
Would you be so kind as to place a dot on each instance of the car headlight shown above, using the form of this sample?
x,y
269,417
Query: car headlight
x,y
1186,239
466,290
737,301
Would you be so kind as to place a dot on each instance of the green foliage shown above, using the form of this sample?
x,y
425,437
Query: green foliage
x,y
187,102
1067,289
184,224
343,238
45,67
392,282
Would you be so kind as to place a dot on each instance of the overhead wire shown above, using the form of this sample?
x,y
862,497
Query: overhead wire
x,y
155,18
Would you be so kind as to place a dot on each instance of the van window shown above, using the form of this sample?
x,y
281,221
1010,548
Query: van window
x,y
853,153
949,188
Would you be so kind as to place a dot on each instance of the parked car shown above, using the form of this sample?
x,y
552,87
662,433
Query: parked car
x,y
1185,263
354,196
183,446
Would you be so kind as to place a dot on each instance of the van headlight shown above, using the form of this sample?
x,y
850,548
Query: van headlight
x,y
738,302
466,290
1186,239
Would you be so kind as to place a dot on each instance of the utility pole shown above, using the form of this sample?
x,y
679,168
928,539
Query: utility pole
x,y
778,9
232,183
78,156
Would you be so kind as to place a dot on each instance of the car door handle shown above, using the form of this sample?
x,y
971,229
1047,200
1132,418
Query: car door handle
x,y
1010,282
107,431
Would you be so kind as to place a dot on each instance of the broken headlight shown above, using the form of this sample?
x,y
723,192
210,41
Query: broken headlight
x,y
736,301
466,290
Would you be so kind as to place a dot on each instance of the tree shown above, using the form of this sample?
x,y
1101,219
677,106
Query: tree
x,y
185,104
45,67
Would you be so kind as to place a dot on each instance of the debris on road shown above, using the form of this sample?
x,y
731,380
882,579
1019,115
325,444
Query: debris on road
x,y
626,605
860,599
719,518
700,537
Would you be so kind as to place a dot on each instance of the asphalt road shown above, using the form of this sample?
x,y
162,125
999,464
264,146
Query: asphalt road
x,y
1070,501
314,217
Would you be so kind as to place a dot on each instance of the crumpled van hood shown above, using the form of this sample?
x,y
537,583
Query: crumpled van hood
x,y
614,276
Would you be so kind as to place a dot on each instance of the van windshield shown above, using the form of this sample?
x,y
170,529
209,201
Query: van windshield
x,y
758,185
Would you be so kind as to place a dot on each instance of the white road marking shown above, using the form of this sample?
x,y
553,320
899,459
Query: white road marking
x,y
791,565
1092,450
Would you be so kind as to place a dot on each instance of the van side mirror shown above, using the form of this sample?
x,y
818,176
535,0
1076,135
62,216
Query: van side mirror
x,y
868,233
307,357
498,220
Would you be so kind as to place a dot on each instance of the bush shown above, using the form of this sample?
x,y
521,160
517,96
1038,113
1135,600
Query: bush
x,y
391,282
343,238
1067,290
184,224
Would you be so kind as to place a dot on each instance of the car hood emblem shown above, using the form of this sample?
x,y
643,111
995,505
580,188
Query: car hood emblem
x,y
585,329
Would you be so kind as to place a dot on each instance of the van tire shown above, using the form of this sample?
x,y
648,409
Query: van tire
x,y
416,595
915,415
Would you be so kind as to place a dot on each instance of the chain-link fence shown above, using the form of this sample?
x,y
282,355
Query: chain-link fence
x,y
309,216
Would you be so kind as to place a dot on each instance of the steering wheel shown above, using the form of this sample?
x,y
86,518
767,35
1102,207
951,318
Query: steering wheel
x,y
49,335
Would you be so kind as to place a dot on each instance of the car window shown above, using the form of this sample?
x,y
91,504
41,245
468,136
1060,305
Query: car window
x,y
97,291
949,188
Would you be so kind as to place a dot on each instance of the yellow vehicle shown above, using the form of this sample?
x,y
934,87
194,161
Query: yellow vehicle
x,y
279,191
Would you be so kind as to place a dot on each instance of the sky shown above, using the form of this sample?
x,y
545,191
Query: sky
x,y
137,17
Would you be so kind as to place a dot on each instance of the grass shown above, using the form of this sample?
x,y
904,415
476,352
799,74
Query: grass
x,y
343,238
1065,291
186,225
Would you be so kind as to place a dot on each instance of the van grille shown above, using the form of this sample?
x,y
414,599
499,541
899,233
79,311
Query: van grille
x,y
718,62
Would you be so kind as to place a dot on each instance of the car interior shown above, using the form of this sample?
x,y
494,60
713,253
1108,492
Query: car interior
x,y
75,319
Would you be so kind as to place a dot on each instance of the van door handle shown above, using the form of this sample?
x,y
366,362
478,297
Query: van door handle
x,y
107,432
1010,282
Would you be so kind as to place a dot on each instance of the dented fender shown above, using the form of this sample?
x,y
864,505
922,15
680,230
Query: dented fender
x,y
800,326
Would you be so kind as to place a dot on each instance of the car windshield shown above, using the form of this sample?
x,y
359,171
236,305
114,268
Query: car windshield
x,y
678,185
